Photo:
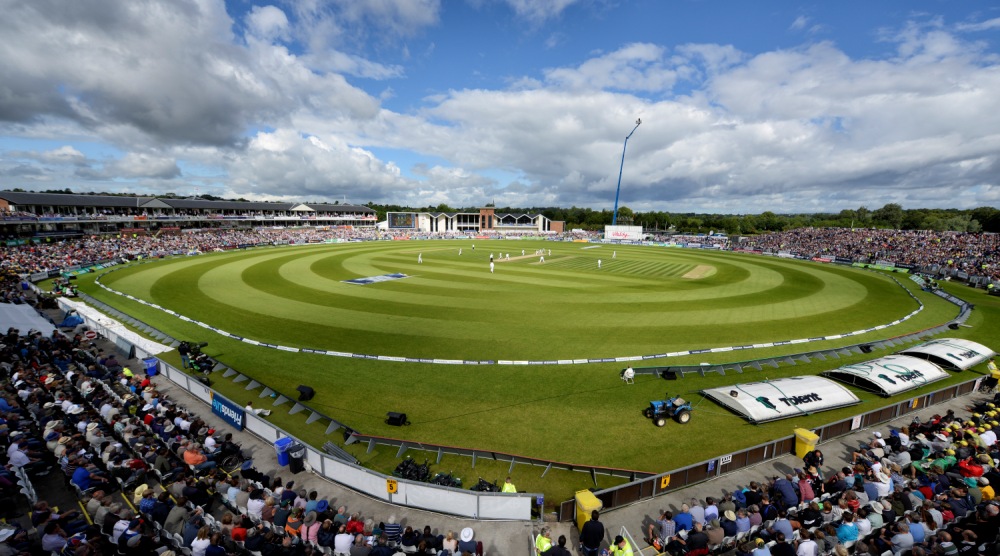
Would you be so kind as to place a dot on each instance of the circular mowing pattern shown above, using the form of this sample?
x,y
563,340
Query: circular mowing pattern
x,y
642,301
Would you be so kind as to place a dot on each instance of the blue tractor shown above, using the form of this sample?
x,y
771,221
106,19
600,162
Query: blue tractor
x,y
676,408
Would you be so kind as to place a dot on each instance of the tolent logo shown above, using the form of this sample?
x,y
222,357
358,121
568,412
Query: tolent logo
x,y
798,400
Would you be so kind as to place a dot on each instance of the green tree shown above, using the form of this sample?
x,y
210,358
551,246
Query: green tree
x,y
864,216
770,221
914,219
891,216
988,218
625,216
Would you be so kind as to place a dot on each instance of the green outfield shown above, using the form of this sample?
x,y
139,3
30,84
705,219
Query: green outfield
x,y
642,300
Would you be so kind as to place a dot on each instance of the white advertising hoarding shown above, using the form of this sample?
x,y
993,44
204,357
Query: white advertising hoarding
x,y
623,233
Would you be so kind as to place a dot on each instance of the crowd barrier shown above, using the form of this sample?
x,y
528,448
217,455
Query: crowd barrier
x,y
513,459
424,496
644,489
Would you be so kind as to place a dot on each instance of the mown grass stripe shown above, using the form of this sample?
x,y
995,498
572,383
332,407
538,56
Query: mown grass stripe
x,y
453,297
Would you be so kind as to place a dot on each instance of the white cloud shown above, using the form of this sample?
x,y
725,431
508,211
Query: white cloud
x,y
156,73
800,23
293,165
539,10
141,165
987,25
268,23
339,27
65,154
634,67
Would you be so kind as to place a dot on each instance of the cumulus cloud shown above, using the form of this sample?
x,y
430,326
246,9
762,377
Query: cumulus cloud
x,y
156,73
273,113
635,67
798,129
333,30
138,165
295,165
65,154
268,23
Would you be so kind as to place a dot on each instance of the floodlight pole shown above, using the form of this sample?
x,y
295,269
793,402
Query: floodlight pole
x,y
614,218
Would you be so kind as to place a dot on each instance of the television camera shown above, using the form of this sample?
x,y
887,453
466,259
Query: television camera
x,y
200,361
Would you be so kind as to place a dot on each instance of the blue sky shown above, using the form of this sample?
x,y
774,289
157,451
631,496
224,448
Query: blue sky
x,y
746,106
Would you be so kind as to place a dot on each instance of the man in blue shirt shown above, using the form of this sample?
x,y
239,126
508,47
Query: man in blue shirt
x,y
789,497
86,477
781,525
82,477
683,520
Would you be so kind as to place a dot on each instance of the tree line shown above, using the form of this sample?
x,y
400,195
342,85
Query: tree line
x,y
891,216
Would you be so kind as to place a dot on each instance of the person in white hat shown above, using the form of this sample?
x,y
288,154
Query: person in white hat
x,y
875,516
865,449
465,542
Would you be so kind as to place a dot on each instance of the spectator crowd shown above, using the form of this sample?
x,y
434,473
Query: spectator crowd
x,y
152,476
916,490
977,254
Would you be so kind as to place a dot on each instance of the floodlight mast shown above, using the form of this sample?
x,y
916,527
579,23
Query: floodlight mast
x,y
614,217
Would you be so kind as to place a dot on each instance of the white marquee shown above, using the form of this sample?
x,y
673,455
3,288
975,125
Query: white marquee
x,y
954,354
890,375
760,402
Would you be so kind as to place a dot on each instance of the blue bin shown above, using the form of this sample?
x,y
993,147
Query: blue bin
x,y
281,446
152,366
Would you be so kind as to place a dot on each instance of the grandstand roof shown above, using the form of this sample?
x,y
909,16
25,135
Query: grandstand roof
x,y
71,200
195,203
326,207
75,200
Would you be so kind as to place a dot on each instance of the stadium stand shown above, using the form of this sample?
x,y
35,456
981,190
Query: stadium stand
x,y
109,435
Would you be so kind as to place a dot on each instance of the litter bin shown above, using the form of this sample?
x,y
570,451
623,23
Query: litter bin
x,y
296,458
152,366
281,446
586,503
805,442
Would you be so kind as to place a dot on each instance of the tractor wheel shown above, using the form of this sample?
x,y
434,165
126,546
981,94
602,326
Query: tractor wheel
x,y
683,416
648,413
660,421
